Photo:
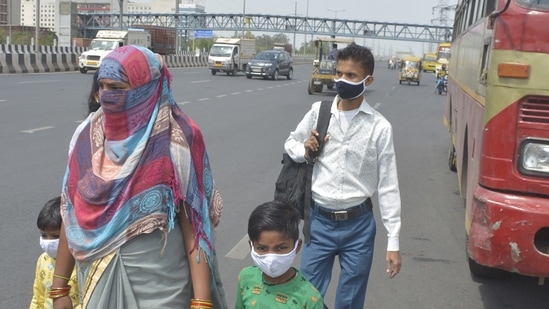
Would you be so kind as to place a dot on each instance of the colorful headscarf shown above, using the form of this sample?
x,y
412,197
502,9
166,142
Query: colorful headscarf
x,y
133,162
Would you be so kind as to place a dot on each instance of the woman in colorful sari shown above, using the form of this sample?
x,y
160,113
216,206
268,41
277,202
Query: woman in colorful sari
x,y
139,203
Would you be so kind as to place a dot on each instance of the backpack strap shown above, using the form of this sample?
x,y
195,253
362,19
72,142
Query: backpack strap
x,y
322,123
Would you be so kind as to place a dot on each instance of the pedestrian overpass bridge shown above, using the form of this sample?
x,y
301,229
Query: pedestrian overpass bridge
x,y
187,23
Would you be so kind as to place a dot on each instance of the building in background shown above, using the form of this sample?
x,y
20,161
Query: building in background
x,y
56,15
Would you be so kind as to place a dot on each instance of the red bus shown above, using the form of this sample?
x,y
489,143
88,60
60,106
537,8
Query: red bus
x,y
497,113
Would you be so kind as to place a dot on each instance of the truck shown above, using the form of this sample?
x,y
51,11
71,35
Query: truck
x,y
230,55
106,41
284,46
163,39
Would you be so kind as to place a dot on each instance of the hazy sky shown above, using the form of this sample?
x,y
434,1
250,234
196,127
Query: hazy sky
x,y
398,11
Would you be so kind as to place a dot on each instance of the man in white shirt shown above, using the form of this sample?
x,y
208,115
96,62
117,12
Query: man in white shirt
x,y
356,161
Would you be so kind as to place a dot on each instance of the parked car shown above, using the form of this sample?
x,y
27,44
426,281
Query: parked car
x,y
271,64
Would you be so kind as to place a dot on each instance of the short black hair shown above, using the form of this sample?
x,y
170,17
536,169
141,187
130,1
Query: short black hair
x,y
360,54
334,45
277,216
50,215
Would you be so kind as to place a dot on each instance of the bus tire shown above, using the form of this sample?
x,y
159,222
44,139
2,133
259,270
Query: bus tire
x,y
452,156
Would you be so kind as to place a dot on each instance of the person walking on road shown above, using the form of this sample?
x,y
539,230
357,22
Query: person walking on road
x,y
273,228
139,203
49,224
357,160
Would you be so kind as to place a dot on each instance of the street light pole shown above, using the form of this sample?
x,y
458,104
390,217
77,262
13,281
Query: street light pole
x,y
121,5
335,11
243,17
295,22
306,18
37,30
9,25
334,21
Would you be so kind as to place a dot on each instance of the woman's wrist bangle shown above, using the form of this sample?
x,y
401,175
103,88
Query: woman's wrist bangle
x,y
61,277
59,292
201,304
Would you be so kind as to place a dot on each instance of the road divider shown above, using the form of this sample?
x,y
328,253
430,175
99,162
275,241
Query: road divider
x,y
24,59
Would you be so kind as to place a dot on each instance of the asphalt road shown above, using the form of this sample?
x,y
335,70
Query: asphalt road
x,y
245,123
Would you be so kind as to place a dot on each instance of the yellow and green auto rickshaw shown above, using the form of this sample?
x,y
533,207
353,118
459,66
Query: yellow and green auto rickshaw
x,y
410,70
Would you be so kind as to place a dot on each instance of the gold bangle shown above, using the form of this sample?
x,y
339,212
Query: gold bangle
x,y
59,292
61,277
201,303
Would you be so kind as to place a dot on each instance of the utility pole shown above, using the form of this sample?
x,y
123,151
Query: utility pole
x,y
441,19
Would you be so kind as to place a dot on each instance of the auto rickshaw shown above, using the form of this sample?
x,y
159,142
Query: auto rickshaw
x,y
410,70
323,68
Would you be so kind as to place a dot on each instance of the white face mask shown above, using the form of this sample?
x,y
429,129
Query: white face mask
x,y
49,246
272,264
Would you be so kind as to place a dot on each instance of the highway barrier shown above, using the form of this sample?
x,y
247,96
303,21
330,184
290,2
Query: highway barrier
x,y
24,59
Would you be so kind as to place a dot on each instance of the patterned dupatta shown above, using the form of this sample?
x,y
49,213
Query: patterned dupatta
x,y
133,162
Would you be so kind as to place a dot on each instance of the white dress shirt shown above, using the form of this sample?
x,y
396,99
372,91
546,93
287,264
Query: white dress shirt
x,y
355,163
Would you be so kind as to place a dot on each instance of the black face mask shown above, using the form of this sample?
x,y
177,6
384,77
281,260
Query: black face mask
x,y
350,90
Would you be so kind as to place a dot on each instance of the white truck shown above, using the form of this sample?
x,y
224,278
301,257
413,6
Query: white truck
x,y
108,40
230,55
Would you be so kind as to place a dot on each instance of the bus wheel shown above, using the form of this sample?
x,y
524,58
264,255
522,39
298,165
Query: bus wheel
x,y
452,156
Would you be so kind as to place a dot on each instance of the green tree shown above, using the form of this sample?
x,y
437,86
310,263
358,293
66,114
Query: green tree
x,y
204,44
264,42
281,38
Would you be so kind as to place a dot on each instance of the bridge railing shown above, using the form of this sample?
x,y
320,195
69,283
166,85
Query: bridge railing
x,y
270,23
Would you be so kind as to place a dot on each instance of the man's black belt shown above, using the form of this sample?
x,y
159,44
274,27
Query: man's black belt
x,y
346,214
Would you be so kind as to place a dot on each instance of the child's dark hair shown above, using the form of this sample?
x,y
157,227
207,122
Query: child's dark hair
x,y
50,215
274,216
359,54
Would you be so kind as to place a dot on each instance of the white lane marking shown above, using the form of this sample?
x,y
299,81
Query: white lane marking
x,y
39,81
201,81
235,93
38,129
241,249
2,100
378,104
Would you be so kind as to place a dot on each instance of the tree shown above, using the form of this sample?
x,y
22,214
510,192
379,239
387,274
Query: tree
x,y
281,38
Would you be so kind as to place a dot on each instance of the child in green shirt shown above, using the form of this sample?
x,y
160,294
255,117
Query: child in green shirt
x,y
273,283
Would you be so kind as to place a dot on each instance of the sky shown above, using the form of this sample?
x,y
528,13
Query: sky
x,y
397,11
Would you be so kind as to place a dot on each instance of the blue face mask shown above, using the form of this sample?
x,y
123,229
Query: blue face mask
x,y
350,90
